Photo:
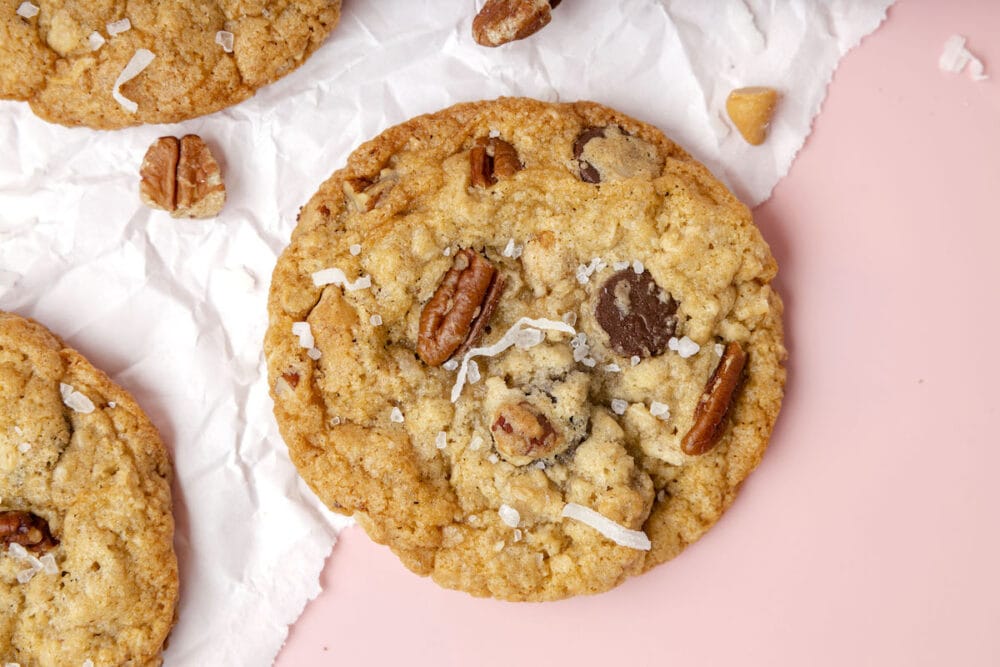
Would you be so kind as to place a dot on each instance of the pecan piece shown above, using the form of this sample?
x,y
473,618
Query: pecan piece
x,y
182,177
502,21
492,159
27,529
460,309
713,406
522,434
363,194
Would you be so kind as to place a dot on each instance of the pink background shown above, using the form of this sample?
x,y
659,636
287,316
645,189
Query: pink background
x,y
869,534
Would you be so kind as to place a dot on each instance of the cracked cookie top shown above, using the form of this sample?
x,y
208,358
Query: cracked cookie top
x,y
87,566
532,347
112,65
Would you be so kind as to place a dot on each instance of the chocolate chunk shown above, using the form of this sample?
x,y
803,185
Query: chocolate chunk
x,y
638,316
588,174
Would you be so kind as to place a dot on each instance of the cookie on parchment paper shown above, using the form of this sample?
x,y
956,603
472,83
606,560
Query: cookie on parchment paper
x,y
532,347
112,65
87,566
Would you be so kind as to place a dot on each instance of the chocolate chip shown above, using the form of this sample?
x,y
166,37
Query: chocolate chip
x,y
588,174
638,316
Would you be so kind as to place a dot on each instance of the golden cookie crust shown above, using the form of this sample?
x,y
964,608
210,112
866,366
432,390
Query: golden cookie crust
x,y
407,198
47,61
101,480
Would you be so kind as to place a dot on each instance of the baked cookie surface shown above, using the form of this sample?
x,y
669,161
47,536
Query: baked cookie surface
x,y
87,566
532,347
69,58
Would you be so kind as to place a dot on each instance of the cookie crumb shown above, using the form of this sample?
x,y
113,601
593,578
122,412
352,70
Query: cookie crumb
x,y
27,10
618,406
396,415
118,27
751,109
509,515
225,39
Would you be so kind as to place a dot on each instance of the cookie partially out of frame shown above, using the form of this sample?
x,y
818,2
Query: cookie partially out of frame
x,y
532,347
74,60
87,566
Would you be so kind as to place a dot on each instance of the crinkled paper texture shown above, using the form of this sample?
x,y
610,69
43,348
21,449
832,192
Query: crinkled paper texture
x,y
175,310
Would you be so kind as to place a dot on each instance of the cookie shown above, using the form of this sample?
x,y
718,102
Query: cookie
x,y
108,65
87,566
531,347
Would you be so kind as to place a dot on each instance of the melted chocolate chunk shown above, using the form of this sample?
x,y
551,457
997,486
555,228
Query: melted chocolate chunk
x,y
638,316
588,173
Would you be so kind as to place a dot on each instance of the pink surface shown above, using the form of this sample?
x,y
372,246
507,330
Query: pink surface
x,y
869,533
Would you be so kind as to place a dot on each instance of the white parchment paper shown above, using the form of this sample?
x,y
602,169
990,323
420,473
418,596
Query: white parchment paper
x,y
175,310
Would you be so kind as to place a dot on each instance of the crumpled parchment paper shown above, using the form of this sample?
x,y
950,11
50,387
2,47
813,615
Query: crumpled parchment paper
x,y
175,310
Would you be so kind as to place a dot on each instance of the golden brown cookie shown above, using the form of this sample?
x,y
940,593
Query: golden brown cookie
x,y
87,566
532,347
112,65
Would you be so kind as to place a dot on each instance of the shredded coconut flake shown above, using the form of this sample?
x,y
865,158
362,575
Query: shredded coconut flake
x,y
512,250
118,27
376,320
75,400
635,539
441,441
27,10
355,249
618,406
225,39
139,62
450,365
509,515
95,40
304,332
506,341
613,368
659,410
396,415
684,346
334,276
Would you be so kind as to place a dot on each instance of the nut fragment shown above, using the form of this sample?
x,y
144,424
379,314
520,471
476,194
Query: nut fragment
x,y
27,529
638,316
460,309
751,109
522,434
502,21
182,177
713,406
364,194
611,154
492,159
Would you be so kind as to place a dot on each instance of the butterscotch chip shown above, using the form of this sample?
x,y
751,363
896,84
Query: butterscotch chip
x,y
557,409
206,56
87,566
751,110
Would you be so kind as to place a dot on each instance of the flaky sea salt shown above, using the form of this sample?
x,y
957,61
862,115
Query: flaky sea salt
x,y
621,266
635,360
494,134
476,443
584,271
304,333
512,250
450,365
27,10
635,539
638,267
355,249
569,318
589,362
509,515
75,400
118,27
139,62
225,39
683,346
441,441
618,406
493,458
518,535
474,375
498,547
719,349
335,421
314,353
447,252
24,447
396,415
659,410
95,40
613,368
527,338
48,562
581,348
539,464
87,663
376,320
112,404
335,276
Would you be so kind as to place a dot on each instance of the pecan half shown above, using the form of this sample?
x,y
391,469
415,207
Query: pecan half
x,y
182,177
522,434
460,309
492,159
713,406
502,21
27,529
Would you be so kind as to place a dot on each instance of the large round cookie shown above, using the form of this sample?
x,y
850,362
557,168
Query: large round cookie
x,y
632,403
87,566
65,56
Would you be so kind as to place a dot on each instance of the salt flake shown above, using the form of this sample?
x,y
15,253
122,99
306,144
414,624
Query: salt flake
x,y
225,39
27,10
95,40
659,410
618,406
75,400
118,27
396,415
509,515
